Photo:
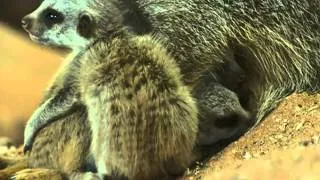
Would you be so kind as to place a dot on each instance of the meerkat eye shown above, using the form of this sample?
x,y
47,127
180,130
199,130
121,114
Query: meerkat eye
x,y
51,17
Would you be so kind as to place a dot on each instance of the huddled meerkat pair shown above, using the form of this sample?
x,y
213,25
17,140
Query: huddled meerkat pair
x,y
274,44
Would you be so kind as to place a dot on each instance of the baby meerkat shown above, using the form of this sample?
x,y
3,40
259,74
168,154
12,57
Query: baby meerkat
x,y
143,118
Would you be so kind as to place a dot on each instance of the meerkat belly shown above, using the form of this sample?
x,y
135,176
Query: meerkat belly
x,y
98,127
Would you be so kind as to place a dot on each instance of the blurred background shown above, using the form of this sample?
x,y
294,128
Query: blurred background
x,y
25,68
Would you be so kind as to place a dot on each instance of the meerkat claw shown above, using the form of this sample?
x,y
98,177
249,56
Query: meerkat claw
x,y
26,148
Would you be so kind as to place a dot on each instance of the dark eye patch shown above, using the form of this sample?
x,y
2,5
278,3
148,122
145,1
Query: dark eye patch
x,y
51,17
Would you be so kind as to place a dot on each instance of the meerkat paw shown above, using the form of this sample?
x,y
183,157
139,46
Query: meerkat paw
x,y
6,162
93,176
5,174
12,169
38,174
86,176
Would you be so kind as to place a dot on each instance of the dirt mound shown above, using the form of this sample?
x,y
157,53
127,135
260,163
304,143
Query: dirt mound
x,y
276,148
299,163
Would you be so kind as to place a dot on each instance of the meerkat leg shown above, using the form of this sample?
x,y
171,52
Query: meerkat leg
x,y
8,161
39,174
63,144
13,168
52,109
93,176
62,147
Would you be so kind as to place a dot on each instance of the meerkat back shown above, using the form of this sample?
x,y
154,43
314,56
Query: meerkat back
x,y
143,119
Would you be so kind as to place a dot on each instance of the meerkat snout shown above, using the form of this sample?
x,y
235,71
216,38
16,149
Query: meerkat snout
x,y
26,23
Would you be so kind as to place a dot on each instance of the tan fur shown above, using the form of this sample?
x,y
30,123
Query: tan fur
x,y
142,116
62,145
276,43
13,168
38,174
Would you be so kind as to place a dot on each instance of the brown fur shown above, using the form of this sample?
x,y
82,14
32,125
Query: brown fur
x,y
13,168
142,116
152,124
63,146
55,146
276,43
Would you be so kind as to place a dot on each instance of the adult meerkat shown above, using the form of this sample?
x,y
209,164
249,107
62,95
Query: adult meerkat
x,y
143,119
276,43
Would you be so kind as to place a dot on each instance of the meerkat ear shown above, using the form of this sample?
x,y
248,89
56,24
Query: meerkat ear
x,y
86,25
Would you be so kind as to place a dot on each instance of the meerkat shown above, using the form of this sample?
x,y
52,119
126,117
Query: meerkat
x,y
149,125
226,106
276,43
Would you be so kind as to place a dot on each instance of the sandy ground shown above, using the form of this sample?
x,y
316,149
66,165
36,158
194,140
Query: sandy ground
x,y
286,145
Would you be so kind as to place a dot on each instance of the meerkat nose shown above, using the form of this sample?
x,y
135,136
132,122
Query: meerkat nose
x,y
26,23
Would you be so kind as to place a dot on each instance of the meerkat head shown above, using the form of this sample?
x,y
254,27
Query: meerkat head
x,y
72,24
